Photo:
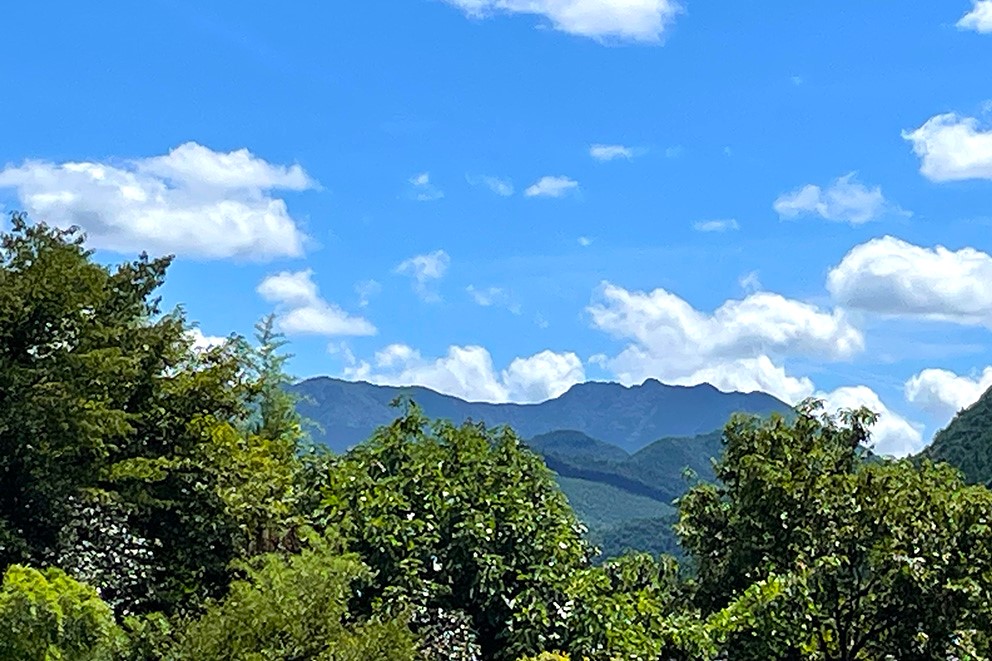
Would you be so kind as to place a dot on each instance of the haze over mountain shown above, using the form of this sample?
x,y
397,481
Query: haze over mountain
x,y
629,418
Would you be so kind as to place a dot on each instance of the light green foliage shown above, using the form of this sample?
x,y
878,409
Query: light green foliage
x,y
296,607
634,607
546,656
47,616
811,552
461,518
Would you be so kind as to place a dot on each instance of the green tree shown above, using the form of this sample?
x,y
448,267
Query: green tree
x,y
108,414
296,607
46,615
634,607
809,551
461,519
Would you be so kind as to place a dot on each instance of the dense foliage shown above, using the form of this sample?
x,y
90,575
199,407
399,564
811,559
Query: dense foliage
x,y
158,502
463,519
967,442
855,559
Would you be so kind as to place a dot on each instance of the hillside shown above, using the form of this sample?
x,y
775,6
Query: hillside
x,y
627,500
629,418
967,441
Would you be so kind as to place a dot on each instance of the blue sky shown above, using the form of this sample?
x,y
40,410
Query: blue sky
x,y
499,198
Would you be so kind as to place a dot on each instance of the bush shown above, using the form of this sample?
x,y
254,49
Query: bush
x,y
296,607
48,615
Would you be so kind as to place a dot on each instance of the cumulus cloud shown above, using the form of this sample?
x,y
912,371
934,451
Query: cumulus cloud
x,y
750,375
423,189
979,18
943,393
301,310
610,152
498,185
724,225
629,20
203,342
424,270
468,372
551,187
892,434
952,148
732,348
892,277
845,200
193,201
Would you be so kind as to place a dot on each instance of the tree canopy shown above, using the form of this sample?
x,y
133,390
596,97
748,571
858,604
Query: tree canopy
x,y
160,502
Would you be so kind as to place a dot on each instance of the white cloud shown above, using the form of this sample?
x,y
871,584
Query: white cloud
x,y
750,282
610,152
979,18
551,187
193,202
952,148
493,297
498,185
629,20
468,372
544,375
424,270
845,200
423,189
366,289
301,310
203,342
943,393
889,276
584,241
716,225
892,434
750,375
733,347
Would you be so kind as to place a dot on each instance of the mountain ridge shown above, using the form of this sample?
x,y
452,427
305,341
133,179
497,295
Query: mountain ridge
x,y
629,417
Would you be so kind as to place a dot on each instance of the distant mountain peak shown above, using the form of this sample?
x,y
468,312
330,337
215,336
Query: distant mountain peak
x,y
629,417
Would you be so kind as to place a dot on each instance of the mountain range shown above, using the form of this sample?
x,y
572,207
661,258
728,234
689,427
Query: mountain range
x,y
629,418
620,453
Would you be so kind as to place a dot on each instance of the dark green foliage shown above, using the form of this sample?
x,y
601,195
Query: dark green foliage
x,y
834,557
652,536
101,392
966,443
576,447
601,506
658,471
463,519
115,433
626,500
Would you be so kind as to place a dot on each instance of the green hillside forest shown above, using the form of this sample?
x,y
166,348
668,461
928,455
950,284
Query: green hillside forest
x,y
160,501
967,441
